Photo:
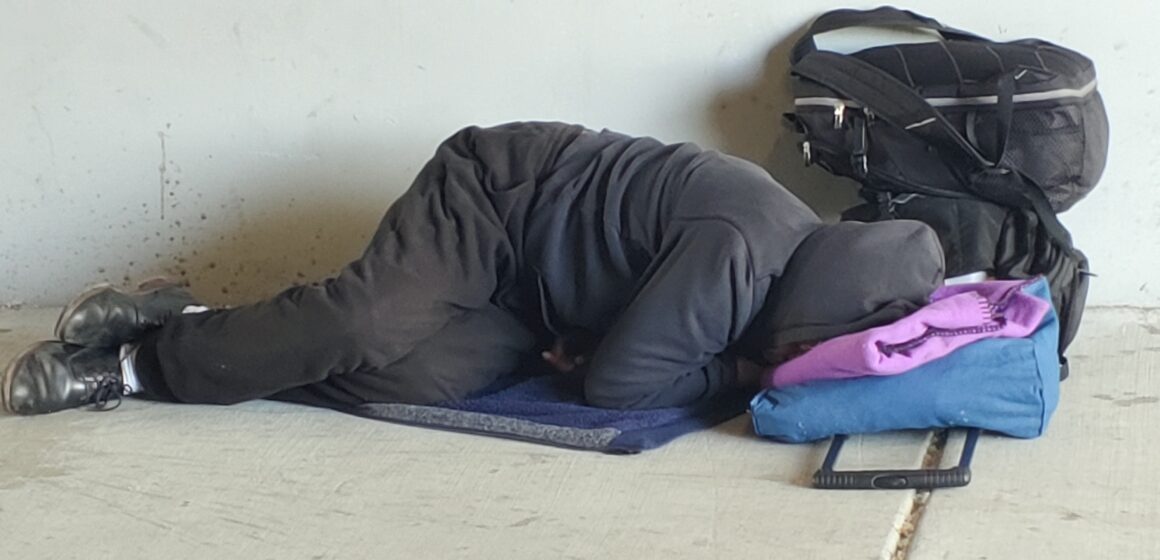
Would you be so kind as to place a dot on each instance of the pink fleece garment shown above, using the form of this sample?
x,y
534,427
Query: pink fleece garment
x,y
958,315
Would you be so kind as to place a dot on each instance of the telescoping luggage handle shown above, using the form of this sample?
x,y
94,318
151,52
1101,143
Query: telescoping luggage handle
x,y
960,475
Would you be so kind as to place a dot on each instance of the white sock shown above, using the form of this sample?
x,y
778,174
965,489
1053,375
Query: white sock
x,y
129,379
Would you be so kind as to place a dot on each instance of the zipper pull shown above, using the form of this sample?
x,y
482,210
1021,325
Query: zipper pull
x,y
807,155
839,115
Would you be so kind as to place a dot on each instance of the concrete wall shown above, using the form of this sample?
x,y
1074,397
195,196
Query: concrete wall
x,y
248,145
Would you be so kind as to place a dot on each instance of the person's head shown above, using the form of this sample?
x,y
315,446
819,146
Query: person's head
x,y
849,277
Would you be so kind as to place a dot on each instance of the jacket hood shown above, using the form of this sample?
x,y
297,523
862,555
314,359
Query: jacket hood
x,y
852,276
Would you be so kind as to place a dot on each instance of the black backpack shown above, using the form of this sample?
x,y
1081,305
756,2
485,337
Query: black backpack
x,y
984,141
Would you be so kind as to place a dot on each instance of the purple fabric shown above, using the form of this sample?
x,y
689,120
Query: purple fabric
x,y
957,315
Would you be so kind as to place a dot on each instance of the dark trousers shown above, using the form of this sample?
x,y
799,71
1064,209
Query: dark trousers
x,y
413,320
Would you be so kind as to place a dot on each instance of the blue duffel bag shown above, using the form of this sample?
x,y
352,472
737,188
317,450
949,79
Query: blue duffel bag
x,y
1005,385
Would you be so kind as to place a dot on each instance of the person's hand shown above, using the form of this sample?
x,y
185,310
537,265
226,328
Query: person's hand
x,y
571,350
560,358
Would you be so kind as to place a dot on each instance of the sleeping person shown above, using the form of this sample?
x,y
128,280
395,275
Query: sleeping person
x,y
660,273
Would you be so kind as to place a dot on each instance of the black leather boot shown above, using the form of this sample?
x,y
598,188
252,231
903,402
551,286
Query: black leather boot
x,y
52,376
104,316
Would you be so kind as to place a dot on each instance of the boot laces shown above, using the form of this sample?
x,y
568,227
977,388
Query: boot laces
x,y
107,394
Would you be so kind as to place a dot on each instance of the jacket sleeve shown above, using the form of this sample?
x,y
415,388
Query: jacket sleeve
x,y
667,348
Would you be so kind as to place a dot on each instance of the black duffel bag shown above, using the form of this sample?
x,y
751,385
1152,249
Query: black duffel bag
x,y
999,136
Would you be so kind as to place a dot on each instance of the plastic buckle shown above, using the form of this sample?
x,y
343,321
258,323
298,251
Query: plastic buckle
x,y
839,115
860,164
858,159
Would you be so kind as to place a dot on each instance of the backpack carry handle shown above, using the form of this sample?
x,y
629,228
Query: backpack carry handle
x,y
885,16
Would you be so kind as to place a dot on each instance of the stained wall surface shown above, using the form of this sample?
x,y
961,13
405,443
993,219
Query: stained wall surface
x,y
246,146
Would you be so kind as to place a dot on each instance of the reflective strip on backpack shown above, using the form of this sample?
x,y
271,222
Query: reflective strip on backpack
x,y
1050,95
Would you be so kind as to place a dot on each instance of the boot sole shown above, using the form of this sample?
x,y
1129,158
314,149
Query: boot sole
x,y
145,286
9,373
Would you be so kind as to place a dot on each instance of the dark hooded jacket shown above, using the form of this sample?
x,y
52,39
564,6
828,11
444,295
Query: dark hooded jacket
x,y
664,253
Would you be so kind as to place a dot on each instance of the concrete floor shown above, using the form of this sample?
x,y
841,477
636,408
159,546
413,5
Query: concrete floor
x,y
267,480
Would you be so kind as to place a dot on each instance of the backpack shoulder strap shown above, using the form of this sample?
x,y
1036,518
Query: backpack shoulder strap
x,y
888,98
902,107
